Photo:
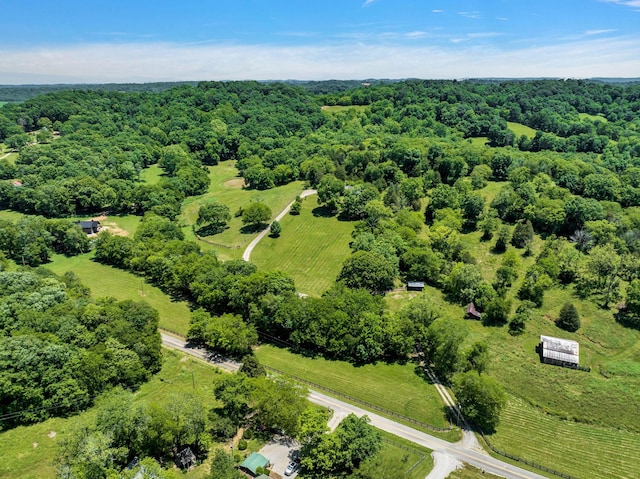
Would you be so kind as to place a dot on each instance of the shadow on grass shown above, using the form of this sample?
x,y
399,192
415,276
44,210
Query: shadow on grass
x,y
250,229
210,230
323,212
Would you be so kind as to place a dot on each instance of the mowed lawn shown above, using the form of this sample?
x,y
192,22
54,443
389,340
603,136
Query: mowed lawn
x,y
107,281
28,452
152,174
311,249
395,387
582,450
226,187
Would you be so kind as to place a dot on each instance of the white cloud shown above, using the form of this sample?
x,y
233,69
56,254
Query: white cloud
x,y
503,19
437,11
472,15
626,3
599,32
417,34
367,3
484,34
104,63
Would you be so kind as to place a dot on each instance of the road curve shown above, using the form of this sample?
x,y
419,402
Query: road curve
x,y
457,451
247,252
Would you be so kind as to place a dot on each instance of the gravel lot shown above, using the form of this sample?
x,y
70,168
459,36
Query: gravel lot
x,y
280,451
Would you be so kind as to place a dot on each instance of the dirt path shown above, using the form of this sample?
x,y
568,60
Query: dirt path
x,y
247,252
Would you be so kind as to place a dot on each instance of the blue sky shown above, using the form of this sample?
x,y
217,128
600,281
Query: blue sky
x,y
70,41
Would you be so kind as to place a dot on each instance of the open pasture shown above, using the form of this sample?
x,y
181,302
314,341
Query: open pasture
x,y
107,281
519,129
311,248
582,450
227,188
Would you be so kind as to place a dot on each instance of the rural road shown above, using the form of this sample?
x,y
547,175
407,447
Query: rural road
x,y
453,451
247,252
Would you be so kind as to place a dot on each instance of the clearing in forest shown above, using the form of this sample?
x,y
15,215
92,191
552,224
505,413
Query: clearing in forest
x,y
310,249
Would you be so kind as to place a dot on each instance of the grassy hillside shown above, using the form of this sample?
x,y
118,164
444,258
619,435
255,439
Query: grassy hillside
x,y
311,248
107,281
226,187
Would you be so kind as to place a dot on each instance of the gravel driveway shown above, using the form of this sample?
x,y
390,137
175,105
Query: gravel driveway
x,y
280,452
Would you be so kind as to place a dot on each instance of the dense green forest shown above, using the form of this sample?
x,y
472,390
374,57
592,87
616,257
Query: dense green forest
x,y
410,163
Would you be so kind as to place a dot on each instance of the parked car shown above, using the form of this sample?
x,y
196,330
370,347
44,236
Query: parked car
x,y
291,468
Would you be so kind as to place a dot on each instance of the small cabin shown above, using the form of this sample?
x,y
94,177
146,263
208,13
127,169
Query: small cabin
x,y
89,227
561,352
415,285
471,312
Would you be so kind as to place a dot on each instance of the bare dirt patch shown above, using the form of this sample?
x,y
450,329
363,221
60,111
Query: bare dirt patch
x,y
234,183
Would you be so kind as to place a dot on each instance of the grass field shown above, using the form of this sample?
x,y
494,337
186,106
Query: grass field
x,y
11,215
479,141
28,452
226,187
338,108
519,129
122,285
311,249
392,386
408,459
152,174
582,450
584,116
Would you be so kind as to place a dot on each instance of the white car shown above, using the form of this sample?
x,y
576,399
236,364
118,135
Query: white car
x,y
291,468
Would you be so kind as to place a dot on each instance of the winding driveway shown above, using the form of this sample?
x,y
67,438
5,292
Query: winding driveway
x,y
247,252
453,452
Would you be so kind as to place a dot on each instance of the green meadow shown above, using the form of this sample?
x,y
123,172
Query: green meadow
x,y
594,118
311,248
227,187
519,129
107,281
395,387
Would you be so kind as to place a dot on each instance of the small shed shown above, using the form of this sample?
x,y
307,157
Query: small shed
x,y
471,312
415,285
253,462
90,226
186,458
561,352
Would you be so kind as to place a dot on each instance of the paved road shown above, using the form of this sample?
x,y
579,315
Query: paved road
x,y
247,252
458,451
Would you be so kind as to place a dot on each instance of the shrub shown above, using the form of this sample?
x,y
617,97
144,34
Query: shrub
x,y
275,229
242,445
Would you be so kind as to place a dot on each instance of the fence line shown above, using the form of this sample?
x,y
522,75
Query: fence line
x,y
532,464
388,412
364,403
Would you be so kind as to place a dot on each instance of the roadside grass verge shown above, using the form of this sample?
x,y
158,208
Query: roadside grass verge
x,y
410,460
107,281
28,452
519,129
395,387
582,450
226,187
471,472
311,249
